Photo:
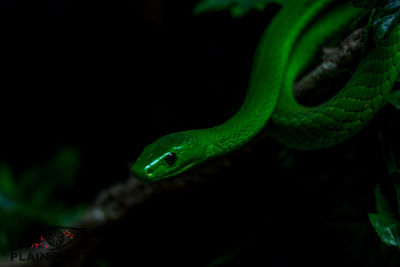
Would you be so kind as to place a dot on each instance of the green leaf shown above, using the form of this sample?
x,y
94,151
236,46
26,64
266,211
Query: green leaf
x,y
6,203
58,173
238,8
394,99
64,167
384,222
392,4
392,163
31,200
3,241
382,205
7,183
384,24
397,188
386,17
40,197
387,229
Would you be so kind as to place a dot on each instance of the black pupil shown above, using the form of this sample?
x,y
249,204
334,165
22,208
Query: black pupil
x,y
171,158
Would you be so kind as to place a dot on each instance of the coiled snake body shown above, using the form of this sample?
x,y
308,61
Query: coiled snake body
x,y
289,43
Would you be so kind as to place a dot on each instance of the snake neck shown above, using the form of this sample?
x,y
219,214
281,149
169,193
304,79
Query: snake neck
x,y
270,63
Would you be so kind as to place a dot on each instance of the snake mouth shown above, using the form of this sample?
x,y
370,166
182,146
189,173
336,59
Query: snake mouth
x,y
171,174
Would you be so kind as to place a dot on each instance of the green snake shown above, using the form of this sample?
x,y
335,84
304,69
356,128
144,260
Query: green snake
x,y
290,42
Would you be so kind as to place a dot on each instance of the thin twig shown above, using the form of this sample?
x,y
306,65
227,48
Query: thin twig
x,y
333,60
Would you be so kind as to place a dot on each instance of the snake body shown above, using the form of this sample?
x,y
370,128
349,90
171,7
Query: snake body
x,y
287,46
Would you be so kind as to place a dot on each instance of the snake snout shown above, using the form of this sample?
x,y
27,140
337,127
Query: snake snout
x,y
142,172
148,172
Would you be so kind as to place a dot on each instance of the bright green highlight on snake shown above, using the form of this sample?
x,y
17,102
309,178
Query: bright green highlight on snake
x,y
289,43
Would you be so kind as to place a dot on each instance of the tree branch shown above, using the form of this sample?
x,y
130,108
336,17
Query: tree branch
x,y
334,59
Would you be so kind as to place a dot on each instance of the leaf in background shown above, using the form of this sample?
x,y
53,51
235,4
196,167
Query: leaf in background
x,y
238,8
394,99
384,222
64,167
392,4
40,197
6,203
397,188
386,17
392,163
7,183
58,173
3,240
386,228
40,184
384,24
32,198
382,205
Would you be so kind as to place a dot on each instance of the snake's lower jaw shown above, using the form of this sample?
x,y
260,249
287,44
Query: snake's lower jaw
x,y
143,174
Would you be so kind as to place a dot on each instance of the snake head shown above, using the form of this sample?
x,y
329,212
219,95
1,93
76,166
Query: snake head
x,y
168,156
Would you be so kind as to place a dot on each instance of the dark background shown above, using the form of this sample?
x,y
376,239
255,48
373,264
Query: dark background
x,y
108,77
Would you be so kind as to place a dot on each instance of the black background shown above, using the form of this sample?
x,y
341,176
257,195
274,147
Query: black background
x,y
109,77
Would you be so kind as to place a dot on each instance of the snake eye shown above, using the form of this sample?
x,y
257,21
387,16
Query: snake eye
x,y
170,158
